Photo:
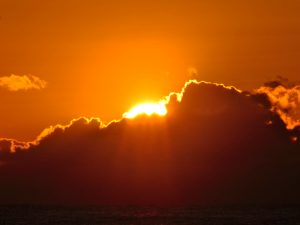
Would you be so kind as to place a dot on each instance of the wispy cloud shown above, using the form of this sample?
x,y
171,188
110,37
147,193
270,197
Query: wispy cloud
x,y
24,82
285,99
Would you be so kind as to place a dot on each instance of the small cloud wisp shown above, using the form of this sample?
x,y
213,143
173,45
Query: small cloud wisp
x,y
24,82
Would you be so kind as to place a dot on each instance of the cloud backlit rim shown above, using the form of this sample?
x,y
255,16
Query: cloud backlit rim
x,y
23,145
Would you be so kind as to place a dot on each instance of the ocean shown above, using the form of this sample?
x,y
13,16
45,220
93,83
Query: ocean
x,y
92,215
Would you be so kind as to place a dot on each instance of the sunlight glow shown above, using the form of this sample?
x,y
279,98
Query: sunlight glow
x,y
147,109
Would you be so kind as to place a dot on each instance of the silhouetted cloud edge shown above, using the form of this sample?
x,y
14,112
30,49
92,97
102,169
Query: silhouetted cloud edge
x,y
15,145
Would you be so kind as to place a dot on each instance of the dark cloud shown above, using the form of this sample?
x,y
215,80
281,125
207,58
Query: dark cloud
x,y
216,145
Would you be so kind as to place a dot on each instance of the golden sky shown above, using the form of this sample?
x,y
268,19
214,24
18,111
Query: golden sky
x,y
100,58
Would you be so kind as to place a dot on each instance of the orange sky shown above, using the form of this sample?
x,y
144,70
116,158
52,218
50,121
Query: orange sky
x,y
99,58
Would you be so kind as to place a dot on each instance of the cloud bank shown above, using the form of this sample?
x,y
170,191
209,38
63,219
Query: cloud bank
x,y
25,82
216,145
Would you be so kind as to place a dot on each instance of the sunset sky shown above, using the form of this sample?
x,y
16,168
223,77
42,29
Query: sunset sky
x,y
100,58
149,102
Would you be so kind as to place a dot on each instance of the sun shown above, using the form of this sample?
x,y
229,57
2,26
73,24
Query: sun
x,y
147,109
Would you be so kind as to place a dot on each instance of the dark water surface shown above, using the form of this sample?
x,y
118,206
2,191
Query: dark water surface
x,y
59,215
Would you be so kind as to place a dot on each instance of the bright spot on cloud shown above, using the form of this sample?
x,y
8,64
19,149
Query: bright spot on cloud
x,y
147,109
